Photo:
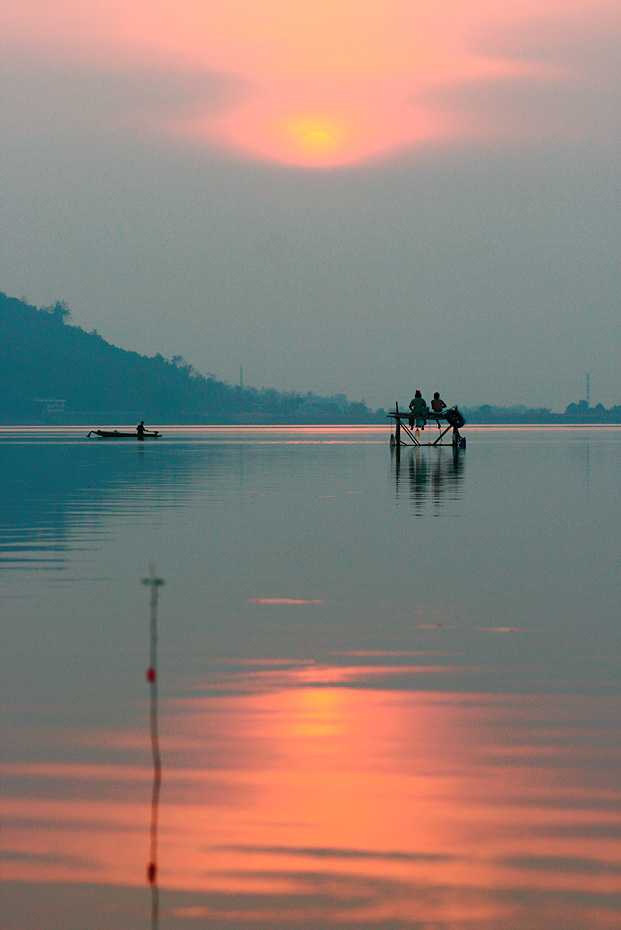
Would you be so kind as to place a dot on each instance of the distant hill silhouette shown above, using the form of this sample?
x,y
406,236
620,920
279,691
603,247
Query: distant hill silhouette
x,y
52,372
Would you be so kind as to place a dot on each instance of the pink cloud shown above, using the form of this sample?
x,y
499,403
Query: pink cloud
x,y
327,83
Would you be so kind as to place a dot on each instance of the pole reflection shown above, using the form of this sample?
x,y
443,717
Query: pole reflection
x,y
302,796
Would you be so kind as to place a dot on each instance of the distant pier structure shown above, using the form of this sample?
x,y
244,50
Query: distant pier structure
x,y
409,429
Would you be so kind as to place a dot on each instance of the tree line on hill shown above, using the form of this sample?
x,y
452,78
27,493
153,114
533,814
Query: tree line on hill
x,y
52,372
573,413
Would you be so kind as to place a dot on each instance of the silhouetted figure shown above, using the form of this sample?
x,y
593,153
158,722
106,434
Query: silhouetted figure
x,y
418,408
437,404
140,430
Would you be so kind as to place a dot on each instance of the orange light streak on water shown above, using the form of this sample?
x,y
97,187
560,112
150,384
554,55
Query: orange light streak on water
x,y
348,803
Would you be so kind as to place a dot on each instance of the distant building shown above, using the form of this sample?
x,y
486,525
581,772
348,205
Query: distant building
x,y
51,404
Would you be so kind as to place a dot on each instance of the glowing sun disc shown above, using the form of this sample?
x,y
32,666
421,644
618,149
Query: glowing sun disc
x,y
319,141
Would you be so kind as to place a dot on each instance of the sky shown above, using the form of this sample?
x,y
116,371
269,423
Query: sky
x,y
357,198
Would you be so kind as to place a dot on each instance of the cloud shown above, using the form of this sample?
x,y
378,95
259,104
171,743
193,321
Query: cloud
x,y
279,84
564,85
142,97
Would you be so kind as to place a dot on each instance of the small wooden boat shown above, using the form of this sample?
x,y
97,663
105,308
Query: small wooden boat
x,y
117,434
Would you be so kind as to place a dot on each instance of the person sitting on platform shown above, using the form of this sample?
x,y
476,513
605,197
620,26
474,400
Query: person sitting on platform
x,y
437,404
140,429
418,407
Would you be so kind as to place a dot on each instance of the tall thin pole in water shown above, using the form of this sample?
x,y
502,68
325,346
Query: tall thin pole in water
x,y
154,583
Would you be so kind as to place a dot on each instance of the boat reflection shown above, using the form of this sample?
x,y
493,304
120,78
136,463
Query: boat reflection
x,y
298,796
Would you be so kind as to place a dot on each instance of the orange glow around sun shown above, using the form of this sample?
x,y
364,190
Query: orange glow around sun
x,y
314,84
318,137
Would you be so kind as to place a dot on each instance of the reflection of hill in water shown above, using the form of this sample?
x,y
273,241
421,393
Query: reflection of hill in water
x,y
54,493
429,475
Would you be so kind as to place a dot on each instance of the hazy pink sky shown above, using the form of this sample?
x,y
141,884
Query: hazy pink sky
x,y
322,82
436,121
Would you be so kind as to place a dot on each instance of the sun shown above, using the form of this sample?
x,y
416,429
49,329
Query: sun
x,y
319,141
315,140
320,138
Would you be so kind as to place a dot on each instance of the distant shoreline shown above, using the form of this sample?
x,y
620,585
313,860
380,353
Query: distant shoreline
x,y
57,374
163,424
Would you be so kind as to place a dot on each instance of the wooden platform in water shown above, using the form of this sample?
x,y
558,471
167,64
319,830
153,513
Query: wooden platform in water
x,y
417,430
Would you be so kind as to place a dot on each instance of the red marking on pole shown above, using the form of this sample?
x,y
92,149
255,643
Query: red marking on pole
x,y
154,583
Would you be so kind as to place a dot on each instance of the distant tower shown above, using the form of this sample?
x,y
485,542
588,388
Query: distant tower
x,y
241,378
588,390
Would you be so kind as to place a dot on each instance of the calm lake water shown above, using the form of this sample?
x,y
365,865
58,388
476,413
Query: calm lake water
x,y
388,690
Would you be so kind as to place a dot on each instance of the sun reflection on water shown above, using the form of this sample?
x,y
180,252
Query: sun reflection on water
x,y
304,795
